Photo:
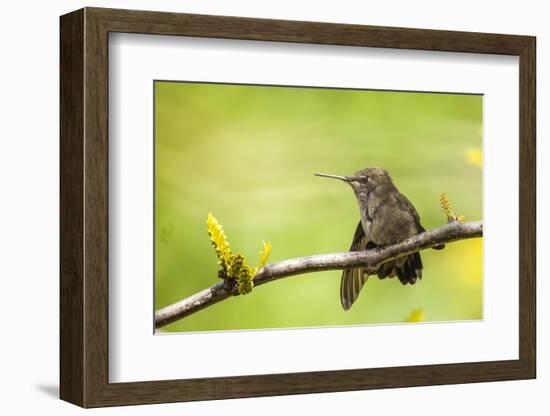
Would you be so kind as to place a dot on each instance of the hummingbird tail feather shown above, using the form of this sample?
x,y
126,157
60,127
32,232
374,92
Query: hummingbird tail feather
x,y
409,269
385,270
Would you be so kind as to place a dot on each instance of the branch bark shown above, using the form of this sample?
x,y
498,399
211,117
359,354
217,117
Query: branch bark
x,y
369,259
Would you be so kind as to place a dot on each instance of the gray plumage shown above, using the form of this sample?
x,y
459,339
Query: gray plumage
x,y
387,217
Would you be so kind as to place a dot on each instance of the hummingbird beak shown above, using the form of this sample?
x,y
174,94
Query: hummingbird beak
x,y
326,175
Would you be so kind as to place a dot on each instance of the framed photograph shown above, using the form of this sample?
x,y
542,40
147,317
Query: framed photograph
x,y
255,207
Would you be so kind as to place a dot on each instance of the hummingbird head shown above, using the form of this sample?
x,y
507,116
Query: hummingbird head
x,y
364,180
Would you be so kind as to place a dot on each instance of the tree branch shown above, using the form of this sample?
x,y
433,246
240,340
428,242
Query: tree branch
x,y
369,259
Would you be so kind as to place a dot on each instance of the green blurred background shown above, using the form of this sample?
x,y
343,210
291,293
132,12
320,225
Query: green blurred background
x,y
248,153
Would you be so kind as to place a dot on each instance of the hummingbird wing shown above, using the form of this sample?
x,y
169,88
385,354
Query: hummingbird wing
x,y
408,269
353,279
406,205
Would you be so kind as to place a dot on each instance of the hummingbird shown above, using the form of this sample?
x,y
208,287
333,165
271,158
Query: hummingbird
x,y
386,217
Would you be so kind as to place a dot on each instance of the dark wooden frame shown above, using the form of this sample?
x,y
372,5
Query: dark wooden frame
x,y
84,207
